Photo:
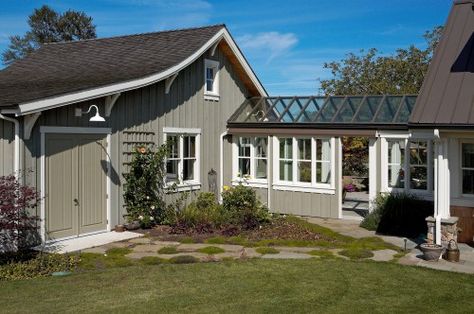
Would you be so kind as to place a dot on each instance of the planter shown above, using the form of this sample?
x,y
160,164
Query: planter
x,y
431,252
134,225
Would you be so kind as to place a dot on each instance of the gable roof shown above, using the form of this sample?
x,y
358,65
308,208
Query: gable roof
x,y
63,73
447,95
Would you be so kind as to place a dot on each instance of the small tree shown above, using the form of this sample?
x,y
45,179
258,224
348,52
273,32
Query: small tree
x,y
18,228
145,186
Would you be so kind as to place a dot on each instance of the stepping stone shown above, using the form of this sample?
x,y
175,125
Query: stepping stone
x,y
138,255
167,243
141,240
147,248
229,247
95,250
191,247
296,249
383,255
287,255
249,253
200,256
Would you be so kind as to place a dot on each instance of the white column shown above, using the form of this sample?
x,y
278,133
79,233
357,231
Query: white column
x,y
441,186
372,172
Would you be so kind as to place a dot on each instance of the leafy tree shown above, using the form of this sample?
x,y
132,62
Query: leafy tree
x,y
374,73
47,26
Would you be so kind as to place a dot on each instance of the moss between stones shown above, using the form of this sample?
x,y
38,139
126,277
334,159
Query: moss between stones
x,y
322,253
168,250
210,250
267,250
152,260
355,254
183,259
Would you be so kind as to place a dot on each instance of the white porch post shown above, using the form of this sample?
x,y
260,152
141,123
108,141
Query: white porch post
x,y
372,172
441,186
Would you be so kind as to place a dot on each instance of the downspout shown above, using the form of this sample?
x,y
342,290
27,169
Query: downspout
x,y
221,165
16,151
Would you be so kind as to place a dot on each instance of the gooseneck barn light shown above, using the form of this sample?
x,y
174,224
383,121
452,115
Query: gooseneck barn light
x,y
96,118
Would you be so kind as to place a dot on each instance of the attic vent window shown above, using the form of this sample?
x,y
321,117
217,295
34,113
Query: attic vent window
x,y
211,80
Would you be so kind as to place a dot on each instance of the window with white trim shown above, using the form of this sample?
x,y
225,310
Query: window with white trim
x,y
467,168
182,161
251,158
409,164
211,79
305,162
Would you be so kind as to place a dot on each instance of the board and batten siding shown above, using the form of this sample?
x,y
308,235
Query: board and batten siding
x,y
7,130
141,115
292,202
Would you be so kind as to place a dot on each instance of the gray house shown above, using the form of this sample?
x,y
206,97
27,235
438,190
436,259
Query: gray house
x,y
72,112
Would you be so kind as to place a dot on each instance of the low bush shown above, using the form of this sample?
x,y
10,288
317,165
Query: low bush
x,y
211,250
202,215
41,265
399,214
168,250
242,207
184,259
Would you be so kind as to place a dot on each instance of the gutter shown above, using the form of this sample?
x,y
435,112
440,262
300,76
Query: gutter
x,y
16,152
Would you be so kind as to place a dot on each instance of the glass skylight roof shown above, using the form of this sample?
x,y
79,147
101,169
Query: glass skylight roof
x,y
362,110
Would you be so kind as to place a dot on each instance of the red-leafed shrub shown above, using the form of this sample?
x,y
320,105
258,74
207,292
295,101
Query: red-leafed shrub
x,y
18,228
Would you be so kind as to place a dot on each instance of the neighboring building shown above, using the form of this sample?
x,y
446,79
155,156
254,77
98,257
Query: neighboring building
x,y
195,86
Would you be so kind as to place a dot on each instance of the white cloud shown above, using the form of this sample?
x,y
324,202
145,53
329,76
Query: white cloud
x,y
269,44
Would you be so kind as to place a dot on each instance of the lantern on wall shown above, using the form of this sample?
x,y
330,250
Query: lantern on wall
x,y
212,180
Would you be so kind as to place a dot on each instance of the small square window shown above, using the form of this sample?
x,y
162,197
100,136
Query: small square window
x,y
211,77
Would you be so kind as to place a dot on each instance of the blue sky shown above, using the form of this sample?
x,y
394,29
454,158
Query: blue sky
x,y
286,42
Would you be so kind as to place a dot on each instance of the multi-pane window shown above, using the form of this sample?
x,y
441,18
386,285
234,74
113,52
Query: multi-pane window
x,y
252,157
182,159
323,161
467,168
286,159
211,77
306,161
396,163
418,165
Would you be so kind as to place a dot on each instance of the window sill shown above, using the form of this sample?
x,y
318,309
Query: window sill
x,y
283,186
255,183
185,186
213,97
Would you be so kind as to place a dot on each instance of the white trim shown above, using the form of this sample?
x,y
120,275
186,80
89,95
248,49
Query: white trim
x,y
180,131
72,130
214,48
109,103
221,164
188,185
302,188
53,102
29,123
169,81
16,147
214,94
339,178
252,181
373,144
255,183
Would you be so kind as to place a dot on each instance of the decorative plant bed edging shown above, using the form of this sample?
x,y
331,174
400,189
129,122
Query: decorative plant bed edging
x,y
431,252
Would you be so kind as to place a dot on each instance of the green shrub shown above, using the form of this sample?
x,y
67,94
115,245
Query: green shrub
x,y
211,250
168,250
184,259
41,265
356,253
151,260
202,215
242,207
399,214
267,250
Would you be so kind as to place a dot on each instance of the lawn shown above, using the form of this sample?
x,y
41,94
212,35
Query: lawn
x,y
329,286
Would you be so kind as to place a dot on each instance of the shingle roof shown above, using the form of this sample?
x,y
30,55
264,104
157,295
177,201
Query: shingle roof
x,y
447,95
62,68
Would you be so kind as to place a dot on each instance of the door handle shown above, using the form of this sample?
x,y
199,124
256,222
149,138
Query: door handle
x,y
76,202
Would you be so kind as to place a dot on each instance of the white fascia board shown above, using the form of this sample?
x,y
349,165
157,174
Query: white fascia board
x,y
53,102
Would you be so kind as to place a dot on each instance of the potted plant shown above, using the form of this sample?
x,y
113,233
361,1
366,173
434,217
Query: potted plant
x,y
431,251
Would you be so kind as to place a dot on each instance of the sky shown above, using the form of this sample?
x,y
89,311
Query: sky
x,y
285,42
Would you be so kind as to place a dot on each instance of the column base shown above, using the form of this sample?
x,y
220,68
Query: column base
x,y
449,230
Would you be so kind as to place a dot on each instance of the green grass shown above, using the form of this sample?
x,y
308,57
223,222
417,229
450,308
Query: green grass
x,y
356,253
152,260
211,250
267,250
187,240
118,251
99,261
184,259
322,254
257,285
168,250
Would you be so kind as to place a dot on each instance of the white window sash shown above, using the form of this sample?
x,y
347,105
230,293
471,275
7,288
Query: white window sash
x,y
237,177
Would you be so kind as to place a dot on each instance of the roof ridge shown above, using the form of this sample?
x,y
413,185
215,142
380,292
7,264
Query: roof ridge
x,y
133,35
